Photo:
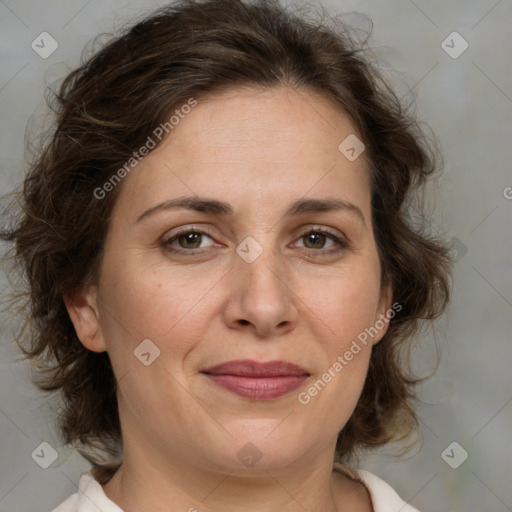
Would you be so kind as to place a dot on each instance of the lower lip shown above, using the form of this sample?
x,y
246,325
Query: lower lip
x,y
258,388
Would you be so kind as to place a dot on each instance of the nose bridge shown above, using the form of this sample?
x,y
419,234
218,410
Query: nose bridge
x,y
261,266
261,294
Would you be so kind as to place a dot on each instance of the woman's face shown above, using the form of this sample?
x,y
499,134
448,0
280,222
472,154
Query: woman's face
x,y
208,288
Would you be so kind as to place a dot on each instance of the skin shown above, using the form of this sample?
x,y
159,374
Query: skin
x,y
258,150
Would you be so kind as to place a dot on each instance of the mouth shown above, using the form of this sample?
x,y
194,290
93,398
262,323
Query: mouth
x,y
257,380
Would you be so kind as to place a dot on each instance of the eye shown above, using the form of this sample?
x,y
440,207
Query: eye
x,y
189,240
186,240
315,240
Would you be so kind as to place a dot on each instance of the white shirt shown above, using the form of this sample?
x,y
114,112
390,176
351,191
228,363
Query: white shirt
x,y
91,497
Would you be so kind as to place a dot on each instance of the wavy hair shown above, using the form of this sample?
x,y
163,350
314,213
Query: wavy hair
x,y
107,108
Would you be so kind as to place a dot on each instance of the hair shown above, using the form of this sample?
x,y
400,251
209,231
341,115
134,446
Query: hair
x,y
107,108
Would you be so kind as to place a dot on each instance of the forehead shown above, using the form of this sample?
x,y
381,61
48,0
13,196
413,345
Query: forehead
x,y
249,144
289,124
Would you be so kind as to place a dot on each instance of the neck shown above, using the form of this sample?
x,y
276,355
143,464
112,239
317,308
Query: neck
x,y
143,485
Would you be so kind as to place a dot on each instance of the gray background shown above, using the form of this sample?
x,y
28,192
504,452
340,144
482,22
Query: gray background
x,y
467,101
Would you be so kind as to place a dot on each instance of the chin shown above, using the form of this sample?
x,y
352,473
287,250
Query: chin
x,y
260,445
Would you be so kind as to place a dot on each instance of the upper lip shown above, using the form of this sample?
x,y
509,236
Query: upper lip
x,y
251,368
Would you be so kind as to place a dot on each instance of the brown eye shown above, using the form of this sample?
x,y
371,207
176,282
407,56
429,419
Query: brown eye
x,y
316,239
187,241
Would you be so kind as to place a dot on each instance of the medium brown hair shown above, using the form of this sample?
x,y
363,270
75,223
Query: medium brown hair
x,y
106,108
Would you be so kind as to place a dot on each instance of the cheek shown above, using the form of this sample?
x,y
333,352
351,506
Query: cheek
x,y
339,316
345,304
141,301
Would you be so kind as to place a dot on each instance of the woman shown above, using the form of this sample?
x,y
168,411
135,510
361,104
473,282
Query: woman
x,y
228,374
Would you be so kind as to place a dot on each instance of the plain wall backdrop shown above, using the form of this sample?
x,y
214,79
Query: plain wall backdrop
x,y
465,96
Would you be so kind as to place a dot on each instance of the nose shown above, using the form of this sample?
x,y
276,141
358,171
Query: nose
x,y
261,296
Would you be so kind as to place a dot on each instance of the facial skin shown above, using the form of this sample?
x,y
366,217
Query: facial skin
x,y
259,151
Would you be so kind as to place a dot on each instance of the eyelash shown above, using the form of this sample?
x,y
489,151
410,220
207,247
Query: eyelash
x,y
341,244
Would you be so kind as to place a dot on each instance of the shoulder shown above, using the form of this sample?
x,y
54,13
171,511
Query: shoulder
x,y
70,505
383,497
89,498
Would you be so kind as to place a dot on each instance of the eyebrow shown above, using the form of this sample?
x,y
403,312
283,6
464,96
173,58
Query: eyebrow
x,y
220,208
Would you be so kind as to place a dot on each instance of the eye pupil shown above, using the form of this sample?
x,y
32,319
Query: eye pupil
x,y
315,238
191,237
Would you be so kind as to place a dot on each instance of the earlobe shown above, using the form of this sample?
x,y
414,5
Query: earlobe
x,y
384,313
83,311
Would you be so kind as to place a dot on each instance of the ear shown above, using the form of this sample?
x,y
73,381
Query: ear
x,y
385,311
83,310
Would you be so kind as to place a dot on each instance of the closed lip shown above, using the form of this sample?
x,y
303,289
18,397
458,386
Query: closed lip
x,y
251,368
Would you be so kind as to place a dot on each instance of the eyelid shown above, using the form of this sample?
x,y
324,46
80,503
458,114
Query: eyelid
x,y
322,229
186,229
